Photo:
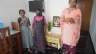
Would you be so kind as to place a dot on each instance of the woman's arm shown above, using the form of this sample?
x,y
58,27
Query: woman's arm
x,y
19,20
76,32
22,21
29,22
45,26
78,25
62,20
33,27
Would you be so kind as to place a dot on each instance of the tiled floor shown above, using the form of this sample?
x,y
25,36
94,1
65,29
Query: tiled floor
x,y
89,47
88,50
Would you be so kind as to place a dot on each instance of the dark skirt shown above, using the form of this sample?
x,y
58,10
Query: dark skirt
x,y
39,42
69,49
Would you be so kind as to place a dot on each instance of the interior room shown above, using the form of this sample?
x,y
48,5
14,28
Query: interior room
x,y
12,42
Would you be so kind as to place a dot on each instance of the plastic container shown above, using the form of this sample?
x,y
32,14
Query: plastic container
x,y
1,25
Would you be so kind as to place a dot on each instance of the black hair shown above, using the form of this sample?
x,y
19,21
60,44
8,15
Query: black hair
x,y
75,0
38,10
21,10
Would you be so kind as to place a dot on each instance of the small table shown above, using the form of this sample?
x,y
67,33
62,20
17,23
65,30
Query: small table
x,y
53,40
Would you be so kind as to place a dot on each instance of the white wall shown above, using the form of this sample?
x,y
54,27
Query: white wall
x,y
9,10
55,8
93,25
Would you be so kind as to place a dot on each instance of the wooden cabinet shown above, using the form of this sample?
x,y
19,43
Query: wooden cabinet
x,y
16,38
5,41
16,41
86,8
10,41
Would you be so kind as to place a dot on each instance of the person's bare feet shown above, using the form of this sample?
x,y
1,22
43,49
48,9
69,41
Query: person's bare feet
x,y
36,52
29,51
66,52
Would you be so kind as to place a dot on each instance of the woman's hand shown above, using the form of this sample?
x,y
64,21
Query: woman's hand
x,y
22,21
71,20
64,20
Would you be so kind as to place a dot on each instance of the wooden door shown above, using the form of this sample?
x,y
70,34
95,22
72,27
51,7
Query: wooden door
x,y
86,8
